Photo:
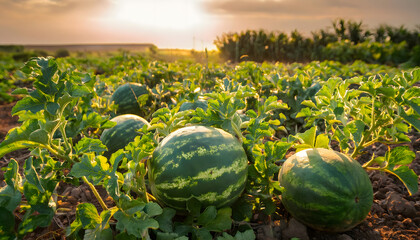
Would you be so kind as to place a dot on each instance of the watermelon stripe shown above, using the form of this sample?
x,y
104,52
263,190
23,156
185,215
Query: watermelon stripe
x,y
321,187
206,163
209,174
208,198
126,98
120,135
216,151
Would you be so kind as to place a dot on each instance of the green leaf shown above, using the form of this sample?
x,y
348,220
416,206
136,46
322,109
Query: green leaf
x,y
136,226
152,209
88,215
93,167
269,207
410,118
125,236
48,67
87,145
10,198
165,220
222,221
309,103
387,91
18,138
322,141
32,175
30,223
208,215
356,128
52,108
308,137
408,177
98,234
169,236
20,91
203,234
242,209
7,221
193,206
414,104
246,235
401,155
12,176
77,91
39,136
28,104
304,112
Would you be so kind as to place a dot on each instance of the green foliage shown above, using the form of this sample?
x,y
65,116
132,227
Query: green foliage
x,y
350,41
373,110
63,115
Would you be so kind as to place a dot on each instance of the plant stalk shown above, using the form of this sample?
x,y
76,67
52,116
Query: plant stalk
x,y
95,192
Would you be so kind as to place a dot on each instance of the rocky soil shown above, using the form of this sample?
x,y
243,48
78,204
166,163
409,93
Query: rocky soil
x,y
394,215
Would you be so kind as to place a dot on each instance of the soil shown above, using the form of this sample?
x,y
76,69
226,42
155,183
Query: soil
x,y
394,214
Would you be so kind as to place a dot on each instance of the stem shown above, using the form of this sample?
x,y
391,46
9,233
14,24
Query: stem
x,y
57,152
66,142
95,192
366,165
363,139
373,168
373,113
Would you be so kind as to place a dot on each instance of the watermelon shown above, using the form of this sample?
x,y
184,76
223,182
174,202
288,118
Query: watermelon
x,y
199,162
325,189
193,105
126,98
122,133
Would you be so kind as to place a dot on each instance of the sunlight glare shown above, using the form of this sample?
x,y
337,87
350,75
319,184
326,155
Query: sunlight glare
x,y
158,14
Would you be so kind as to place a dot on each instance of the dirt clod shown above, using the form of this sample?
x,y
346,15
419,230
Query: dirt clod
x,y
295,229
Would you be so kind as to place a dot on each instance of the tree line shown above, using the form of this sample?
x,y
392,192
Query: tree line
x,y
349,41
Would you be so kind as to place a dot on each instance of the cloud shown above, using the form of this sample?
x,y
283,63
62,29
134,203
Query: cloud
x,y
275,8
78,21
48,21
375,11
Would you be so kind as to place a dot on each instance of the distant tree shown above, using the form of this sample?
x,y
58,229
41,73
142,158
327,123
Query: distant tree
x,y
62,53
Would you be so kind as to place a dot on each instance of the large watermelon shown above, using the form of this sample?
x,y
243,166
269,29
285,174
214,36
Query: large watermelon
x,y
122,133
126,98
325,189
199,162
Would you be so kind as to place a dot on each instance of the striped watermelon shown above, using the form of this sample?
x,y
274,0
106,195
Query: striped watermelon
x,y
325,189
126,96
120,135
202,162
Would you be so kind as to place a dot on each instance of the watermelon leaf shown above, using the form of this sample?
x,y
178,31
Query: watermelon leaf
x,y
406,176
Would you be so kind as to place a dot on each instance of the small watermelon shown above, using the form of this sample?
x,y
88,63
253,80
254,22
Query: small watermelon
x,y
199,162
325,189
126,98
122,133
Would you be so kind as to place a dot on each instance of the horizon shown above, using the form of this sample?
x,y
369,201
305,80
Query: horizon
x,y
184,24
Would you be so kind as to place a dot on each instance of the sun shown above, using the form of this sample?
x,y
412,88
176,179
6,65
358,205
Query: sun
x,y
158,14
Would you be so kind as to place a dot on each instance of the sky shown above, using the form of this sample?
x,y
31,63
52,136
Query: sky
x,y
187,24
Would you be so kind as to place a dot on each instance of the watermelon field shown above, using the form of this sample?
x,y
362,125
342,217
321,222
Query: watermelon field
x,y
125,146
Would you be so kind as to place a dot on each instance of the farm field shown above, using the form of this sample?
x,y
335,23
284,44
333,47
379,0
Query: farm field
x,y
59,180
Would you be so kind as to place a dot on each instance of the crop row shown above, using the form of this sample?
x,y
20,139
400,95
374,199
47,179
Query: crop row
x,y
270,108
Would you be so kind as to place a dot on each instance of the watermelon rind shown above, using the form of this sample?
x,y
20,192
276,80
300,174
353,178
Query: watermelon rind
x,y
126,98
325,189
199,162
122,133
